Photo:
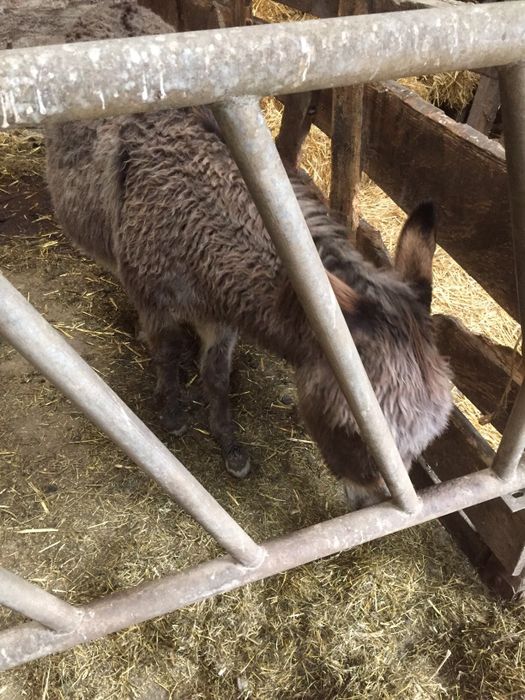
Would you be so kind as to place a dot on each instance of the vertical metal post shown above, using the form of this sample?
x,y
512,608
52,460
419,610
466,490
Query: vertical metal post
x,y
252,146
512,88
33,602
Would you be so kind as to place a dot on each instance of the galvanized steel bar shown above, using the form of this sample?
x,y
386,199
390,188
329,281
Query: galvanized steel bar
x,y
253,148
130,607
36,603
512,88
117,76
47,350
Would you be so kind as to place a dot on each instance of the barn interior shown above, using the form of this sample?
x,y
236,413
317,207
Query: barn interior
x,y
432,612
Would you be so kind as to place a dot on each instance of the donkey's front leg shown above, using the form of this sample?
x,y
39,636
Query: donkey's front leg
x,y
218,345
169,349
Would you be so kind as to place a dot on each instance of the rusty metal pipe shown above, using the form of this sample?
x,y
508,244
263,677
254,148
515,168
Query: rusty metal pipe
x,y
46,349
25,642
36,603
252,146
104,78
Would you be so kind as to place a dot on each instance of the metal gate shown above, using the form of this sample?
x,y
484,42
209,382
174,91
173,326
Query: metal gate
x,y
229,68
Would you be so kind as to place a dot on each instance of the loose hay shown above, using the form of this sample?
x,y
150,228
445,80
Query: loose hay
x,y
454,90
404,617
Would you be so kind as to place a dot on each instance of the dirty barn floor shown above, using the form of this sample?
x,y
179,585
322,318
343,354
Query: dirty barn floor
x,y
403,617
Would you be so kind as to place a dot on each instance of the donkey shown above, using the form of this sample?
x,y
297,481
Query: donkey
x,y
158,199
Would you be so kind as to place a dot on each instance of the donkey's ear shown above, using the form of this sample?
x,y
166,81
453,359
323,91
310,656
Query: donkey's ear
x,y
415,250
348,298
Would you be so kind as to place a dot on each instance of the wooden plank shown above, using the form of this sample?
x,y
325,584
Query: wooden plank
x,y
488,374
298,116
415,152
347,122
347,125
485,105
460,451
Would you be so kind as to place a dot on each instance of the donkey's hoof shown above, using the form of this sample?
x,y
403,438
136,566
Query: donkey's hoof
x,y
237,462
174,422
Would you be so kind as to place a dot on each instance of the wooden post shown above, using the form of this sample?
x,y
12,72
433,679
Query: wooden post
x,y
299,113
485,105
347,121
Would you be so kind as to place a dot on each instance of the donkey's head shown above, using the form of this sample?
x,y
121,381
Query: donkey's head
x,y
388,313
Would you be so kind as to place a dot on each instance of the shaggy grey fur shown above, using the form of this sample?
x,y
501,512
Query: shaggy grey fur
x,y
158,199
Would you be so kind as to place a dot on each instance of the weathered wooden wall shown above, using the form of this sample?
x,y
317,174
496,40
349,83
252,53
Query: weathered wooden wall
x,y
413,151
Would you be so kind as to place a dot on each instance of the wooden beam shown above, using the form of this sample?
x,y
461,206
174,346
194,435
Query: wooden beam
x,y
299,113
485,105
461,450
347,126
488,374
347,123
415,152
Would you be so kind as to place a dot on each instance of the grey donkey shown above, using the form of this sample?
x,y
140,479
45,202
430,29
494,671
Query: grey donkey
x,y
158,199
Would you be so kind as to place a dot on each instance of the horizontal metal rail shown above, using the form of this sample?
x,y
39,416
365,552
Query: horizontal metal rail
x,y
47,350
118,76
155,598
34,602
512,89
243,126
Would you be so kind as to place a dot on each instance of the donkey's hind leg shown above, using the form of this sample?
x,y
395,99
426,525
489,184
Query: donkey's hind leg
x,y
218,345
170,350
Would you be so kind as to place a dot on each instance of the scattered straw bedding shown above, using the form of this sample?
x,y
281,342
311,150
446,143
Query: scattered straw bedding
x,y
404,617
